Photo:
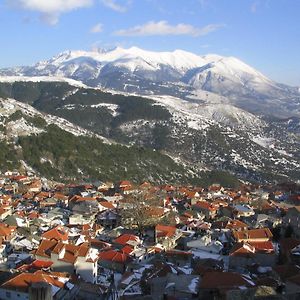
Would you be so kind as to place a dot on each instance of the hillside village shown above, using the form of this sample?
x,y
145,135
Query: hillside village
x,y
125,241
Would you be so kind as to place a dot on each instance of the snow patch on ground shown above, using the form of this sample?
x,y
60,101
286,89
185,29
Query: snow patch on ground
x,y
42,79
113,108
21,126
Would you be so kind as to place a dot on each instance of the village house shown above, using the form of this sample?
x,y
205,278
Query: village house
x,y
115,260
22,286
206,208
245,254
167,236
217,285
253,235
81,260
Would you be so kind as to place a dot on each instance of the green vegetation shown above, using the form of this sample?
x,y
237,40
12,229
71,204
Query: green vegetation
x,y
56,97
57,154
220,177
35,120
8,157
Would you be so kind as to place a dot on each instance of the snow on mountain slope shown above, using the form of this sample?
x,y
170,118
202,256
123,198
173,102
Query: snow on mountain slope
x,y
177,59
179,73
42,79
200,116
22,127
230,75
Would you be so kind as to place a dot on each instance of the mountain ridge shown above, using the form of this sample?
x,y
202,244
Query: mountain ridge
x,y
204,136
178,73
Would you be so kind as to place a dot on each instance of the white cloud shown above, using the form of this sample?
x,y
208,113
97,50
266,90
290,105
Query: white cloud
x,y
115,6
97,28
164,28
50,10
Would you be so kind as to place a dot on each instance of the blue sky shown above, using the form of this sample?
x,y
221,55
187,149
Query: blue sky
x,y
263,33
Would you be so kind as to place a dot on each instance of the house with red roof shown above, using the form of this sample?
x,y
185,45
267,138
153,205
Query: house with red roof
x,y
7,232
208,209
19,286
58,233
105,205
245,254
167,236
217,285
115,260
253,235
128,239
81,259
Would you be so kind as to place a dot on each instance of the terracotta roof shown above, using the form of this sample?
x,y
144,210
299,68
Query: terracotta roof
x,y
154,211
145,185
107,204
163,230
241,199
127,249
266,247
33,215
40,264
6,230
45,248
60,196
125,239
114,256
77,198
224,280
260,233
58,233
230,224
71,252
250,248
125,183
23,281
19,178
205,205
242,249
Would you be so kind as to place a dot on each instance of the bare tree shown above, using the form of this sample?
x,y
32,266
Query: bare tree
x,y
136,212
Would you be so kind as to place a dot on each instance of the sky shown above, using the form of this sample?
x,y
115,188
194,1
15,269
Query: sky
x,y
263,33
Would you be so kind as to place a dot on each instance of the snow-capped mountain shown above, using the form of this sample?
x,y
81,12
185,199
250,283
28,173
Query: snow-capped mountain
x,y
207,111
179,73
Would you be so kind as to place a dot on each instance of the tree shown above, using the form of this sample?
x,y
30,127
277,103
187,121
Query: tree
x,y
288,231
136,212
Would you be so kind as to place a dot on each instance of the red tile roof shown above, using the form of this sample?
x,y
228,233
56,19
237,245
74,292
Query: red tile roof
x,y
224,280
107,204
114,256
41,264
252,234
205,205
23,281
58,233
125,239
163,230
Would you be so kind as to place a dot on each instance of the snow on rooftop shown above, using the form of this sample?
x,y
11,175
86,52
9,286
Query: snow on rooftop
x,y
193,286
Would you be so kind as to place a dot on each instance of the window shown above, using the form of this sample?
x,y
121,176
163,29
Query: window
x,y
8,294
